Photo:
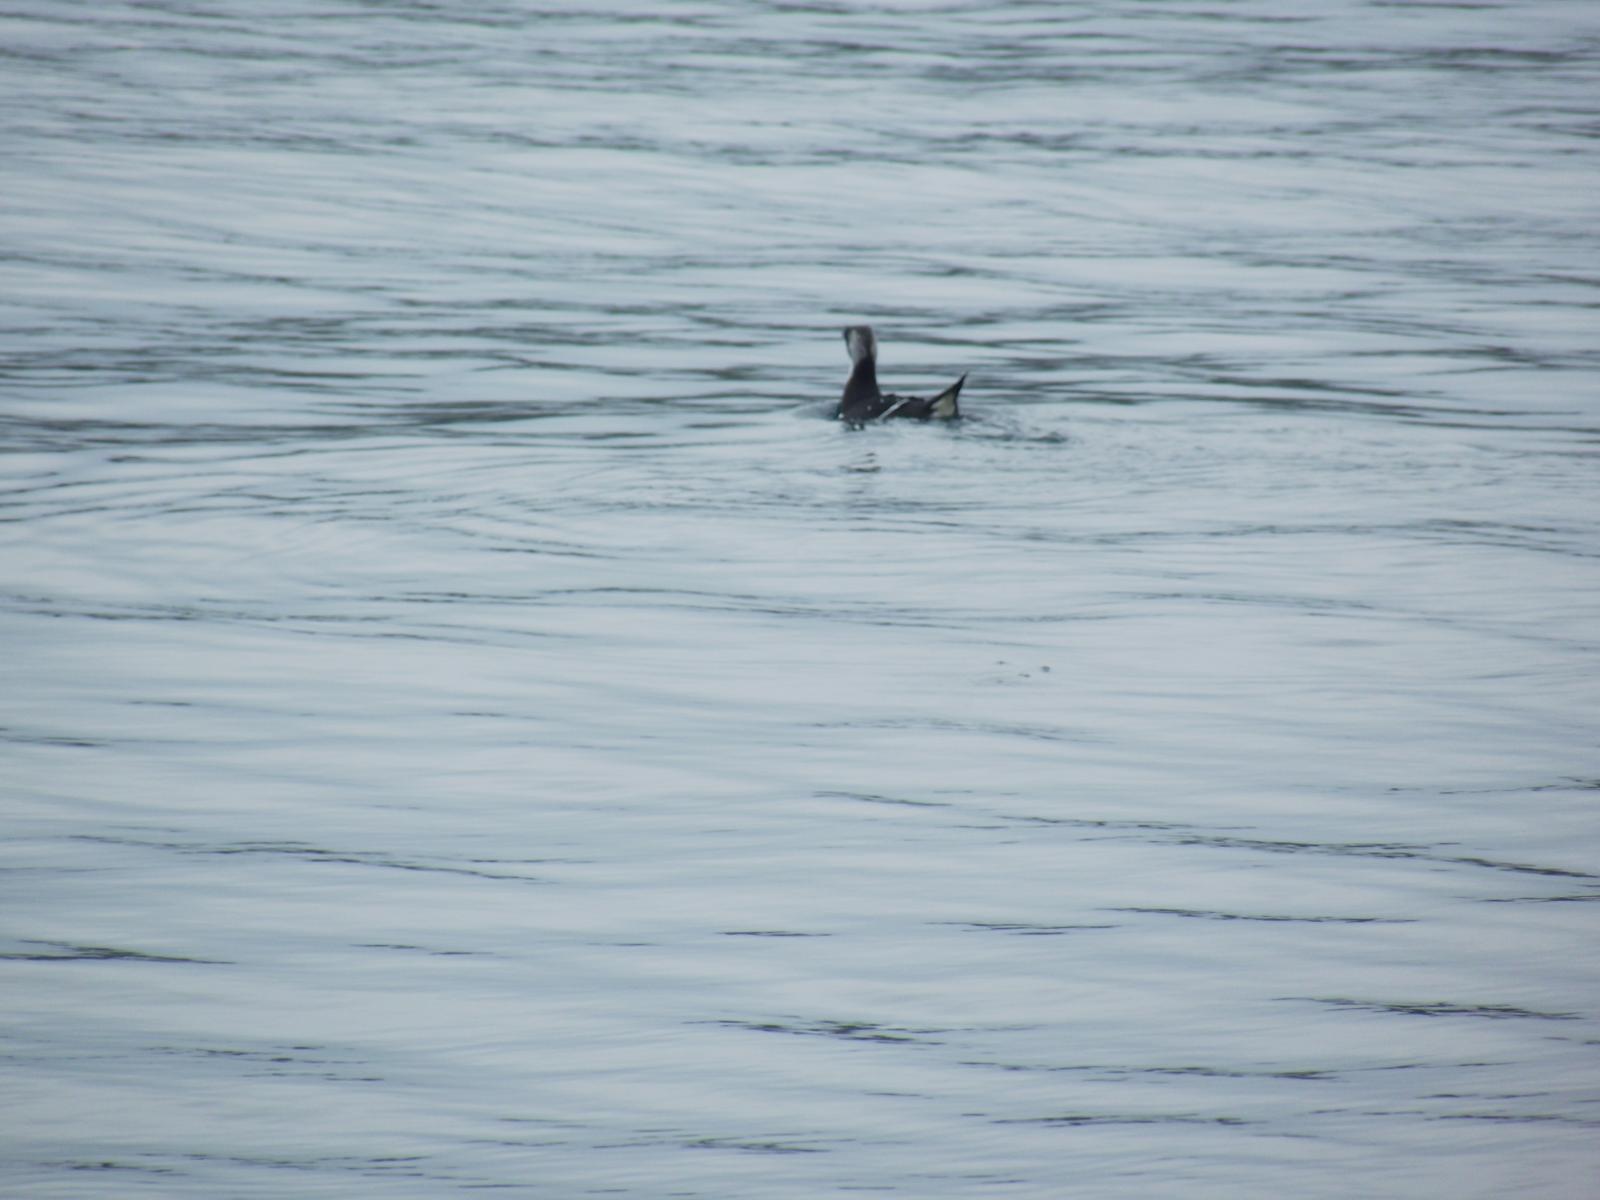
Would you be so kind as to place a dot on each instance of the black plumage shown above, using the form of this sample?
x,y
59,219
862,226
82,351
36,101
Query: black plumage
x,y
863,402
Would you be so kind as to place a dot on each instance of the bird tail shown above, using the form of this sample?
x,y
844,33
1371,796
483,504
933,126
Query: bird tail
x,y
943,407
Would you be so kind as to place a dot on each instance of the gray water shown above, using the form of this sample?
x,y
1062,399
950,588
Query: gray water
x,y
471,722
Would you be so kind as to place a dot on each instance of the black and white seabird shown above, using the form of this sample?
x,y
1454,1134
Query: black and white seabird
x,y
863,402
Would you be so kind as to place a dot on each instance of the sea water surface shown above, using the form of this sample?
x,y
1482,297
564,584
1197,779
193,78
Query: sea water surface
x,y
472,723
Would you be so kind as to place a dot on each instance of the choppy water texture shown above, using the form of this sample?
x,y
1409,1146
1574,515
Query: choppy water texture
x,y
471,723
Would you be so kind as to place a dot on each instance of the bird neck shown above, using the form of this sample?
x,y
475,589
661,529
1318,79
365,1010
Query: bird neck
x,y
863,383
